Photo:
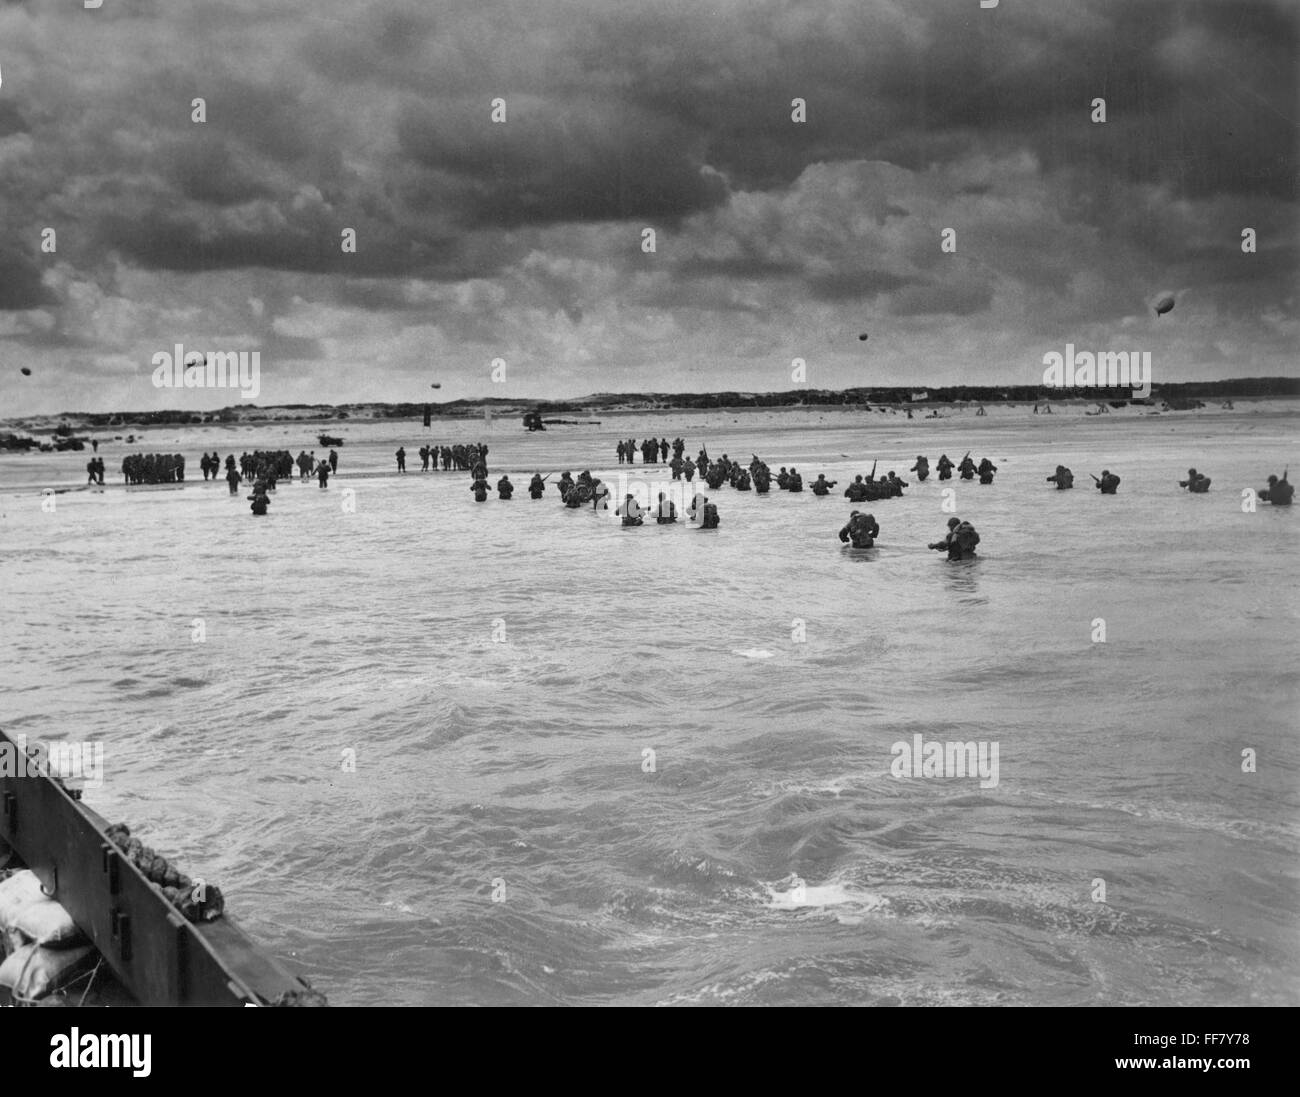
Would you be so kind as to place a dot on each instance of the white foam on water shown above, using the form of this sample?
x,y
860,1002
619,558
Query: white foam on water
x,y
804,896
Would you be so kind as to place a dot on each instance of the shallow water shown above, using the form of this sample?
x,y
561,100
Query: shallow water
x,y
770,857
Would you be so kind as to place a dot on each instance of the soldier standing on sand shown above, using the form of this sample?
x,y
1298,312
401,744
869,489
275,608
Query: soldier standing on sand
x,y
401,458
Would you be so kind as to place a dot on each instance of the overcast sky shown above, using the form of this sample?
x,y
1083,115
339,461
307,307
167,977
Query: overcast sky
x,y
523,240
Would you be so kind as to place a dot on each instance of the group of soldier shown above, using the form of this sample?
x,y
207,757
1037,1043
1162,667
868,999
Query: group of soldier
x,y
459,458
275,463
966,468
958,542
1107,483
654,451
265,468
309,466
664,511
587,489
861,530
150,468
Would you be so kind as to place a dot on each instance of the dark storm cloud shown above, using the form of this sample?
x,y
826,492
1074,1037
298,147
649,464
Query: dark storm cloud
x,y
957,298
921,115
21,284
307,241
11,120
52,339
857,285
742,267
1200,96
276,346
216,172
559,162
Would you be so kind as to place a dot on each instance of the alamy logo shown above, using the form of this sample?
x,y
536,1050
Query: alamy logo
x,y
222,369
68,761
935,759
1105,369
77,1049
646,493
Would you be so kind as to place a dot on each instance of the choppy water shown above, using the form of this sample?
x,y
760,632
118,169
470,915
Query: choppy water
x,y
770,857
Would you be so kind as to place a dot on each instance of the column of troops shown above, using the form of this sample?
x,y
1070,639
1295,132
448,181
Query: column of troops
x,y
153,468
458,457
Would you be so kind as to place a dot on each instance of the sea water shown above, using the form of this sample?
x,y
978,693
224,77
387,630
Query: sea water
x,y
441,752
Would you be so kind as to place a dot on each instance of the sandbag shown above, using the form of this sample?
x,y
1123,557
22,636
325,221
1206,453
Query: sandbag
x,y
32,972
46,922
16,892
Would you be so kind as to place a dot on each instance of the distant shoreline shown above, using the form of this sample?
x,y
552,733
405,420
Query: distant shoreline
x,y
1178,397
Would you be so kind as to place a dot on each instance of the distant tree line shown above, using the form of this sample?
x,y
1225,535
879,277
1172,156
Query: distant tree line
x,y
1209,390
